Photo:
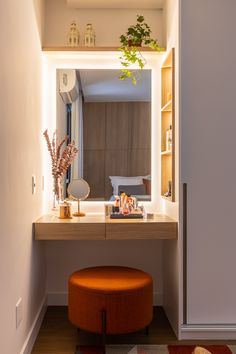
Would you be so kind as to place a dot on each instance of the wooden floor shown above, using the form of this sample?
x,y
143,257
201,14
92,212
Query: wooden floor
x,y
58,336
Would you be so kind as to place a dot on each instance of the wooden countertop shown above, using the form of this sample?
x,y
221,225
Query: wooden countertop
x,y
97,227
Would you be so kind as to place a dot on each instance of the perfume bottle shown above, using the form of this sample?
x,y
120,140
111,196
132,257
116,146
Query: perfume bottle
x,y
169,139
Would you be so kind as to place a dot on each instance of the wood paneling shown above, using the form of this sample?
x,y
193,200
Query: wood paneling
x,y
94,120
94,127
141,125
118,125
140,162
123,131
116,164
94,172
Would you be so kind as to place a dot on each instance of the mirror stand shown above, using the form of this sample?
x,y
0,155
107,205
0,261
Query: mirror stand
x,y
78,213
78,190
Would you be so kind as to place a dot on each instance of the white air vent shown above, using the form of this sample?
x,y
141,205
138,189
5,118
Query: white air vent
x,y
68,87
116,4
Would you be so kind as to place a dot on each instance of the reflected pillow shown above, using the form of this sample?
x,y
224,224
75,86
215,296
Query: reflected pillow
x,y
138,189
124,181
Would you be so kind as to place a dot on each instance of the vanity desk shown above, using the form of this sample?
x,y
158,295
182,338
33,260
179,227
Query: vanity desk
x,y
98,227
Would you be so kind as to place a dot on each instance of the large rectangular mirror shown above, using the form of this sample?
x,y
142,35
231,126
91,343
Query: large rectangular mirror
x,y
110,121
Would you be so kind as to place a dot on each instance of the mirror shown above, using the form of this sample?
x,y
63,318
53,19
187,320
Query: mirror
x,y
78,189
110,121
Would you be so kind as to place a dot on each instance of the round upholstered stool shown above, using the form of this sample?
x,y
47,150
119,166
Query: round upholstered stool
x,y
110,300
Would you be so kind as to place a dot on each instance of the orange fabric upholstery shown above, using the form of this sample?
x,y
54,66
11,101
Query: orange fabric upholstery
x,y
124,293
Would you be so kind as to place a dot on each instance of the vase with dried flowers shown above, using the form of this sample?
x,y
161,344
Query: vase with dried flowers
x,y
61,161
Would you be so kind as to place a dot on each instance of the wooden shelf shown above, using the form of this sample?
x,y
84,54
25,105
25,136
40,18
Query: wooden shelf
x,y
166,153
166,67
167,107
94,49
167,198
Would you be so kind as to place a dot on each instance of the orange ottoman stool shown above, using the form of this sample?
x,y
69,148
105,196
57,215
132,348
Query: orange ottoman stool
x,y
110,300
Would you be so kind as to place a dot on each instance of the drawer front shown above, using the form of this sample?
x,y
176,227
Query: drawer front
x,y
143,231
67,231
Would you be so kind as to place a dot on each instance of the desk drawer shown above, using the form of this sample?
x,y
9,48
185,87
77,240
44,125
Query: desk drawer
x,y
69,231
142,230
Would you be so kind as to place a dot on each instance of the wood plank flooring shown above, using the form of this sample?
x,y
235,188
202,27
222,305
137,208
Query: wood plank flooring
x,y
58,336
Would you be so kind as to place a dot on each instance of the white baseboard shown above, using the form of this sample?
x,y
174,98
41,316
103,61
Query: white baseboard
x,y
208,332
61,299
34,330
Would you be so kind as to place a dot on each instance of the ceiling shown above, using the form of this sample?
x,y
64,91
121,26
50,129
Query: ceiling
x,y
116,4
103,85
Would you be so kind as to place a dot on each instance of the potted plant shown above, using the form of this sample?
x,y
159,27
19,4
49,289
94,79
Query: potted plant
x,y
136,36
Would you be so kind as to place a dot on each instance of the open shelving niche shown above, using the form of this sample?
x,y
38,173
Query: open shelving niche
x,y
167,120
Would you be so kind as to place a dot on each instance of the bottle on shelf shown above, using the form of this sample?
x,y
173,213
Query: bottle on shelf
x,y
89,37
168,193
169,139
73,35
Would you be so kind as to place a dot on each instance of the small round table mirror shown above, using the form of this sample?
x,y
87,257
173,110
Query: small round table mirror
x,y
78,189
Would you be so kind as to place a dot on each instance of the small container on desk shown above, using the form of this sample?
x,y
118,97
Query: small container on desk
x,y
108,209
65,210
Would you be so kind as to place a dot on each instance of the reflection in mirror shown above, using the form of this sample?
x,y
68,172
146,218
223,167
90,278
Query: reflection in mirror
x,y
78,189
110,121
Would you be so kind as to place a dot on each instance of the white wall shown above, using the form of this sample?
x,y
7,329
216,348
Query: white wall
x,y
208,125
22,265
108,24
64,257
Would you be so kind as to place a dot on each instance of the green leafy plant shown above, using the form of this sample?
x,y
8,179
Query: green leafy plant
x,y
136,36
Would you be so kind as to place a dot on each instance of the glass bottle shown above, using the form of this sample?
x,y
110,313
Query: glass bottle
x,y
169,139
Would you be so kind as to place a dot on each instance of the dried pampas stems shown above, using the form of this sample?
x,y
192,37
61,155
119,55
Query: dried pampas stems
x,y
60,161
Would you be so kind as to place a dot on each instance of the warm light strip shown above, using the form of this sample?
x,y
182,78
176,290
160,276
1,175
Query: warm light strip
x,y
100,60
116,4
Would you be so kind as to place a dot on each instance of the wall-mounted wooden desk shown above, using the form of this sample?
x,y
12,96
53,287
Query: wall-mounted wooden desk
x,y
97,227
